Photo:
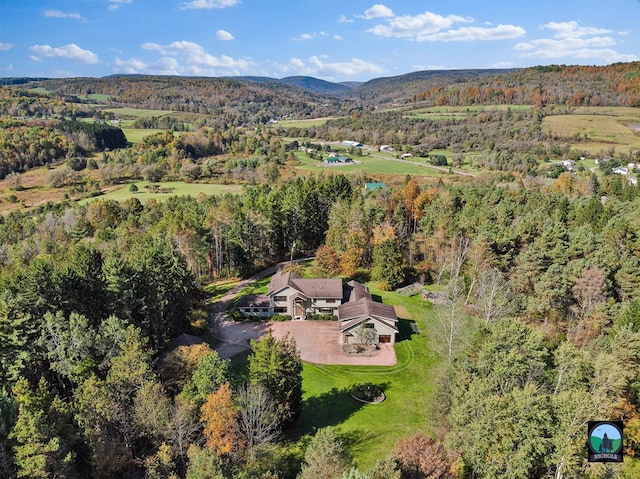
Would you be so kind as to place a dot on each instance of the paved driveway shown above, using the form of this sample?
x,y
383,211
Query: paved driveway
x,y
317,341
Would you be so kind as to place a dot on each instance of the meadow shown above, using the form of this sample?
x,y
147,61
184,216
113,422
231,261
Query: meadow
x,y
169,188
370,165
599,129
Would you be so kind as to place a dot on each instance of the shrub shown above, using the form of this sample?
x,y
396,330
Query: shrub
x,y
367,392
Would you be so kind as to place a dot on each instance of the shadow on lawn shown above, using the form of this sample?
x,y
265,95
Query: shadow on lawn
x,y
330,409
406,329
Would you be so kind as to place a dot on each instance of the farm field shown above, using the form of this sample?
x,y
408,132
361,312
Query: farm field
x,y
599,128
178,188
370,165
137,112
302,123
136,135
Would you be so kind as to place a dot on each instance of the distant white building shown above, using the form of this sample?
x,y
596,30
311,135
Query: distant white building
x,y
407,155
352,144
386,148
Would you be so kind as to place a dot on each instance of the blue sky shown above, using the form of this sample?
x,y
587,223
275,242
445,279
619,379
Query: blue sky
x,y
347,40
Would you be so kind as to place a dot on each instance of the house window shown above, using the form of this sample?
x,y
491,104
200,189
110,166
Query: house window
x,y
331,300
369,325
279,298
280,309
326,310
265,310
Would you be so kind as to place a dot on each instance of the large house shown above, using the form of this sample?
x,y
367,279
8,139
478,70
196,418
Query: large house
x,y
352,304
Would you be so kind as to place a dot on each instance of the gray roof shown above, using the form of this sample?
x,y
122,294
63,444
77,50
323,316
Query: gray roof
x,y
355,291
354,312
313,288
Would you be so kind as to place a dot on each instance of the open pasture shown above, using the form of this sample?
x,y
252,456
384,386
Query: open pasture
x,y
137,112
302,123
170,188
597,129
457,112
370,165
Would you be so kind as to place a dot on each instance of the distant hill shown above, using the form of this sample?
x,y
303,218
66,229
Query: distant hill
x,y
248,100
389,88
316,85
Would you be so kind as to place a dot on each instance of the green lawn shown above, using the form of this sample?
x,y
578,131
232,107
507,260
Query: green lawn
x,y
372,430
179,188
370,165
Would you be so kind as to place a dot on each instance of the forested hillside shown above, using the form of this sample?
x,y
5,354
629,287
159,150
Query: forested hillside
x,y
561,265
524,250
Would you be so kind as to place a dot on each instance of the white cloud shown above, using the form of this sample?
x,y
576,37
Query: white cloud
x,y
184,58
338,37
343,19
571,40
377,11
317,66
309,36
208,4
70,52
429,26
5,47
501,32
115,4
59,14
224,35
8,68
573,30
163,66
418,26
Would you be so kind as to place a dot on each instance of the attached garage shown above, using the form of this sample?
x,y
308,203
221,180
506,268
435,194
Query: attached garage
x,y
384,338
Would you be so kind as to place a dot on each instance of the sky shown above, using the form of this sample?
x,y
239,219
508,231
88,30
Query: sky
x,y
346,40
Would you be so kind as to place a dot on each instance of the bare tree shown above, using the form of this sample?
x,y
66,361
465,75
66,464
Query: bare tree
x,y
493,298
258,416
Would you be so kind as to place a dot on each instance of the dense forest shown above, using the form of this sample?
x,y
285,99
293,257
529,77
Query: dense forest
x,y
533,280
561,265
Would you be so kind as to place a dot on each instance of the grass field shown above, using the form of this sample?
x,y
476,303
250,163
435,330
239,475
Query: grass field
x,y
459,112
602,128
369,165
179,188
302,123
136,135
137,112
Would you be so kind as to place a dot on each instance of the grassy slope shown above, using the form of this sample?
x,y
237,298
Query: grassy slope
x,y
604,127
